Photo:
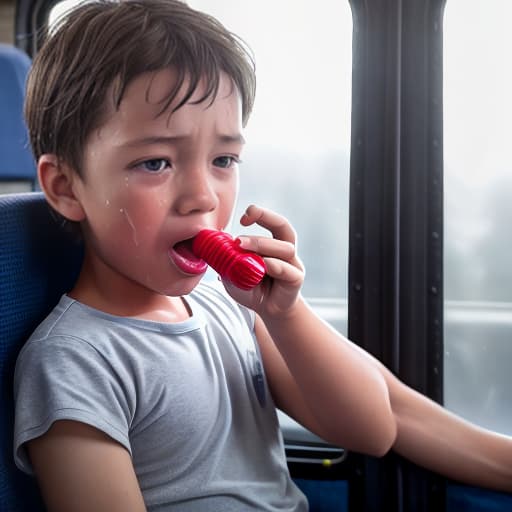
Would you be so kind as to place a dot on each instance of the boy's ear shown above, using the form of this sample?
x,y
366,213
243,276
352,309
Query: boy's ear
x,y
56,181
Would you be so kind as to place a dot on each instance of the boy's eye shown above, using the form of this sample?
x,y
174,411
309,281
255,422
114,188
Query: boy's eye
x,y
225,161
155,164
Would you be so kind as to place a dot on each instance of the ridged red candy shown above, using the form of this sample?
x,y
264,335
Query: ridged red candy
x,y
243,268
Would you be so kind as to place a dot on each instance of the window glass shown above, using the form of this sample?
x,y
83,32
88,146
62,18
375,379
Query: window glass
x,y
59,9
478,210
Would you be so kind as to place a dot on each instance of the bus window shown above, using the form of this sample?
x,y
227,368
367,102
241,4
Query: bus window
x,y
60,9
478,211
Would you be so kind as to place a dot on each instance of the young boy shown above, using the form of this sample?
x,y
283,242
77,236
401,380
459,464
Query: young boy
x,y
144,389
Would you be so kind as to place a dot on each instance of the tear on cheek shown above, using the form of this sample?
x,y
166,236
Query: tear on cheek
x,y
132,226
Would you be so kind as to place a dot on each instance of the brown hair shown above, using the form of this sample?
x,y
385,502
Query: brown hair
x,y
101,46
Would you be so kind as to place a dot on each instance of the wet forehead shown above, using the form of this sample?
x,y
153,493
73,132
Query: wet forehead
x,y
145,97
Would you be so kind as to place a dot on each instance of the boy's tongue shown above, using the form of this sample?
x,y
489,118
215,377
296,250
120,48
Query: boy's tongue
x,y
185,259
184,248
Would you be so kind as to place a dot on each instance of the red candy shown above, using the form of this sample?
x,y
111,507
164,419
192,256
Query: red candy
x,y
243,268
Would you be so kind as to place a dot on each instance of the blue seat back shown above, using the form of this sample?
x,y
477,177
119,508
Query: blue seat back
x,y
38,263
17,162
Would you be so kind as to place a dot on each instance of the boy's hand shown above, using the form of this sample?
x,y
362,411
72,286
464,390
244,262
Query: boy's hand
x,y
279,290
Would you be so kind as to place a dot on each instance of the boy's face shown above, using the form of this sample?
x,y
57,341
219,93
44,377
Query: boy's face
x,y
151,181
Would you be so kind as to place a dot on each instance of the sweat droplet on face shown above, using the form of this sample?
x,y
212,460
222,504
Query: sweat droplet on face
x,y
132,226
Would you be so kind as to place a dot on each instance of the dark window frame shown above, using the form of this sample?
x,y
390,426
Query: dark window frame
x,y
396,222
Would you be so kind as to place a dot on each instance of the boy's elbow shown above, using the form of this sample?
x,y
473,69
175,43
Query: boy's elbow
x,y
385,443
375,438
383,438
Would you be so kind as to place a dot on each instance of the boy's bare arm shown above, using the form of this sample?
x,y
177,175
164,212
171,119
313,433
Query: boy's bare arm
x,y
333,391
80,469
316,376
433,437
327,384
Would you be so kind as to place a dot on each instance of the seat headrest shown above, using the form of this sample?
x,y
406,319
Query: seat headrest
x,y
16,162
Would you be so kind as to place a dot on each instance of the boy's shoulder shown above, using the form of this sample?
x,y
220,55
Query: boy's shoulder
x,y
67,322
64,316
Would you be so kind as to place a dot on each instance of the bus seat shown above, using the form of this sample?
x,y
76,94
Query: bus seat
x,y
17,166
38,262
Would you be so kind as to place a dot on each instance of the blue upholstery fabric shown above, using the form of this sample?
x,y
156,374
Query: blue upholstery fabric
x,y
461,498
38,262
325,495
17,162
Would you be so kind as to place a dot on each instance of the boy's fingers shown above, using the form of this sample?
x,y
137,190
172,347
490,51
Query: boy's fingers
x,y
268,247
275,223
278,269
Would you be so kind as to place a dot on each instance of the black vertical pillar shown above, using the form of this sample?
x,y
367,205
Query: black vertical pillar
x,y
396,224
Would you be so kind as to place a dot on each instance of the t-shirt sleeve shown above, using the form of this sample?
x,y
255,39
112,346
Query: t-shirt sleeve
x,y
249,316
65,378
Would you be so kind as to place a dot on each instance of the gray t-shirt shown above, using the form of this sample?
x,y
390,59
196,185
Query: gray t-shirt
x,y
188,400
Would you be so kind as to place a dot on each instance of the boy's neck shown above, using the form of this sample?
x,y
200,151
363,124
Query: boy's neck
x,y
122,297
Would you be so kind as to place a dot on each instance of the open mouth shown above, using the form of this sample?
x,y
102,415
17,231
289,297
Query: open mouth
x,y
184,258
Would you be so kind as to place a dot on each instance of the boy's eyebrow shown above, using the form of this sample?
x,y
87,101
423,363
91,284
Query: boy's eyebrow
x,y
232,138
146,141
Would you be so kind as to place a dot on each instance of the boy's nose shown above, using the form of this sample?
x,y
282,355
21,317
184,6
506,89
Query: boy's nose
x,y
196,193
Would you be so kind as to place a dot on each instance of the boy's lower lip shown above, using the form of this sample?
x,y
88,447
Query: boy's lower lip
x,y
192,266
